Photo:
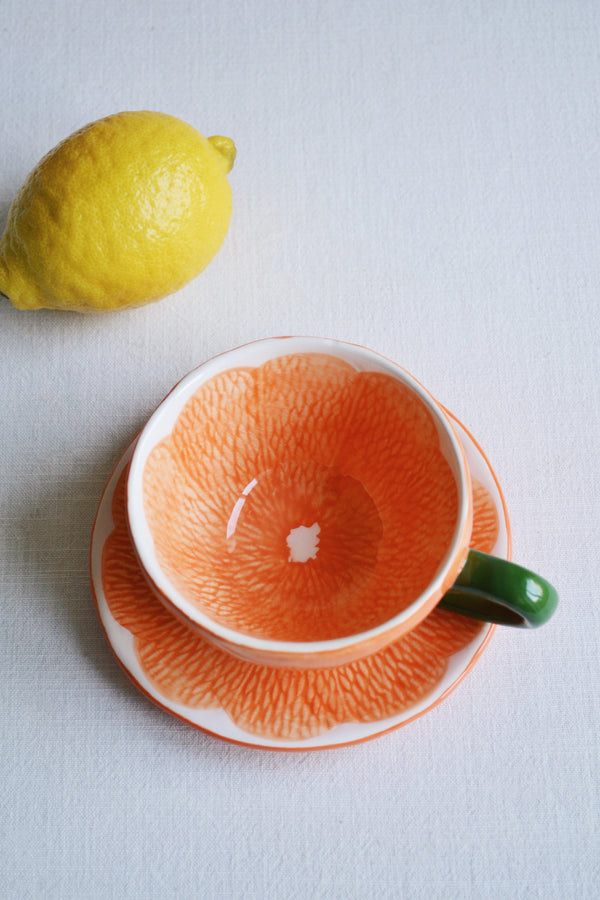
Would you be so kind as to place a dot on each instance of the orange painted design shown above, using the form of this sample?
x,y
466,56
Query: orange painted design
x,y
301,500
274,703
486,524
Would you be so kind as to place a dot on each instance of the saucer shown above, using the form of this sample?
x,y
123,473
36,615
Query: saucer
x,y
284,708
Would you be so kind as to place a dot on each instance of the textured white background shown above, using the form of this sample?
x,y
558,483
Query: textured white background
x,y
421,177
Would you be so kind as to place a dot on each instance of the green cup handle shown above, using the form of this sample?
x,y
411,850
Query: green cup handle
x,y
495,590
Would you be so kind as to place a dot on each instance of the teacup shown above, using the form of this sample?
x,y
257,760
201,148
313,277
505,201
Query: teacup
x,y
305,502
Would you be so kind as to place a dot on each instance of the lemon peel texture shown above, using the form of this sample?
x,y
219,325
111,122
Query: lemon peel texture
x,y
123,212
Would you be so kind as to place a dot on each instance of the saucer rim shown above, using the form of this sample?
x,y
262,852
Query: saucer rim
x,y
255,741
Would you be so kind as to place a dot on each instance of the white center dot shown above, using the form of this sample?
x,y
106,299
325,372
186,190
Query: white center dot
x,y
303,543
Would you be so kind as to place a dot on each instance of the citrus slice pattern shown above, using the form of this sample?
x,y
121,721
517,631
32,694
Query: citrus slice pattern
x,y
280,703
485,519
301,500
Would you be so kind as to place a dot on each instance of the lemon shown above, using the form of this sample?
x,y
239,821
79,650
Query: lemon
x,y
123,212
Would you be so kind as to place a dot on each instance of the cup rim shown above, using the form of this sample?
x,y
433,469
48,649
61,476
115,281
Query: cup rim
x,y
161,423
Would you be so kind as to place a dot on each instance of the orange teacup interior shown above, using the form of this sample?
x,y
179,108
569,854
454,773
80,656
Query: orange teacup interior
x,y
302,499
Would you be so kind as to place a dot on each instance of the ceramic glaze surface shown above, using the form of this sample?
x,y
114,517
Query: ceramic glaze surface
x,y
274,703
302,500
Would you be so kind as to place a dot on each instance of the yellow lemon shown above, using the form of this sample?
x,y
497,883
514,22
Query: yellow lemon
x,y
124,211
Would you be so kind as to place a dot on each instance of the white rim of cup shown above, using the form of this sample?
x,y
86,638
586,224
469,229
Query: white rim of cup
x,y
160,425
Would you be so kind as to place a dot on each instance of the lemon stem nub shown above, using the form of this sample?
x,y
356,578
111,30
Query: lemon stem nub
x,y
226,148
